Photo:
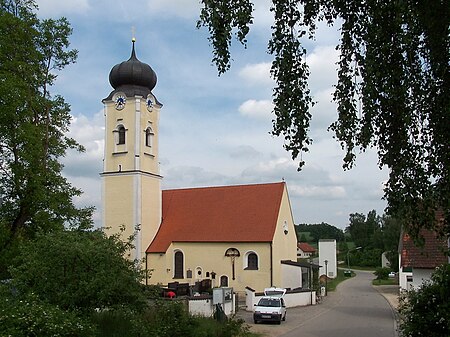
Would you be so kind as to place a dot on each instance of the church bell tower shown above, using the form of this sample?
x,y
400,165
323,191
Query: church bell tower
x,y
131,181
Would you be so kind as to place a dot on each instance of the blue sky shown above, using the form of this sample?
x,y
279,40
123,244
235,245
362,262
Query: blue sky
x,y
213,130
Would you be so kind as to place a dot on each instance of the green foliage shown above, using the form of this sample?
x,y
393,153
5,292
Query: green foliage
x,y
33,126
120,322
392,91
22,316
386,282
165,318
79,270
169,319
362,229
366,257
303,238
390,230
321,231
332,283
152,290
375,235
382,273
222,17
426,311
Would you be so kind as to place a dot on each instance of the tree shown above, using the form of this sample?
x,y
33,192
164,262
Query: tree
x,y
390,232
426,311
362,228
392,91
321,231
79,270
34,196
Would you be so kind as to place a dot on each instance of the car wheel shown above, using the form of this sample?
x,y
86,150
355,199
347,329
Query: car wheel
x,y
284,318
255,321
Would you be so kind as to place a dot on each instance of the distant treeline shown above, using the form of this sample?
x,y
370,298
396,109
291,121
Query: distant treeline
x,y
314,232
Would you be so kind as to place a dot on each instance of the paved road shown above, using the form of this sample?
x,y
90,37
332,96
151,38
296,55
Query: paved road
x,y
355,309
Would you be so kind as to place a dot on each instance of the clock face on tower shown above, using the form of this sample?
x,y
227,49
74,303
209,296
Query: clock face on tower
x,y
150,102
120,102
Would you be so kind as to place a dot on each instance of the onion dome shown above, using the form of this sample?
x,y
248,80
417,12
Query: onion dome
x,y
132,77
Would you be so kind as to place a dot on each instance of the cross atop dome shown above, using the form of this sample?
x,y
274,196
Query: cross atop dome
x,y
132,77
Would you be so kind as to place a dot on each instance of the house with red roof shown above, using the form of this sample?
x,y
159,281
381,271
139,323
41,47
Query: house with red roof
x,y
234,236
305,250
417,262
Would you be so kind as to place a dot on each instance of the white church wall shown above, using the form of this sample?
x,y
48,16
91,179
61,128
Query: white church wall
x,y
291,276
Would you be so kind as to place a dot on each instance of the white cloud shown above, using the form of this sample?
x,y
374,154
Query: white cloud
x,y
324,112
56,8
263,17
256,109
245,151
257,73
188,9
324,192
82,169
322,65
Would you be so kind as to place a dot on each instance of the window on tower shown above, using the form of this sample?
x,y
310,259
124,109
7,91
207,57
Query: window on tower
x,y
121,130
149,137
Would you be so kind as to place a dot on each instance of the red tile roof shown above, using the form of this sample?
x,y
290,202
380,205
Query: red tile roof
x,y
306,247
431,255
243,213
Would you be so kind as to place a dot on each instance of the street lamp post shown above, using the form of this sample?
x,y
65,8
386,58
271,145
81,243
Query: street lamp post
x,y
326,277
348,256
310,280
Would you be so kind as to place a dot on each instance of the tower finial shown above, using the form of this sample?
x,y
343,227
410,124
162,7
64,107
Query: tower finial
x,y
133,33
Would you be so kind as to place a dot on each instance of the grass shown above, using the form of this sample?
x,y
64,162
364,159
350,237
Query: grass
x,y
363,268
333,283
344,266
386,282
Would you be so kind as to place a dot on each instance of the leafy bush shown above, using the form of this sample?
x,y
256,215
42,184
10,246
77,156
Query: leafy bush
x,y
382,273
28,316
79,270
119,322
169,319
426,311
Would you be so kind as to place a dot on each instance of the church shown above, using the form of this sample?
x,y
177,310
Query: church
x,y
234,236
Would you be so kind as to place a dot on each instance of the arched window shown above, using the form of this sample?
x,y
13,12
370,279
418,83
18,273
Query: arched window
x,y
252,261
198,273
149,137
178,267
121,130
224,281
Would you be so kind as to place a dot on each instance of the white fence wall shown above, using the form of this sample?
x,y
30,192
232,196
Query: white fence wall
x,y
204,307
292,299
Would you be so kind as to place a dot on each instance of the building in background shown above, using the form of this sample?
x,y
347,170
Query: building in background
x,y
305,250
417,263
327,258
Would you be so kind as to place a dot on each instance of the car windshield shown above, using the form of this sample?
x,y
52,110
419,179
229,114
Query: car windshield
x,y
267,302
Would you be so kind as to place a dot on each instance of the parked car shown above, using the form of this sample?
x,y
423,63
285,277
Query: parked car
x,y
271,307
391,274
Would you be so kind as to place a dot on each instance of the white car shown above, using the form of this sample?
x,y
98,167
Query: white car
x,y
391,274
271,307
